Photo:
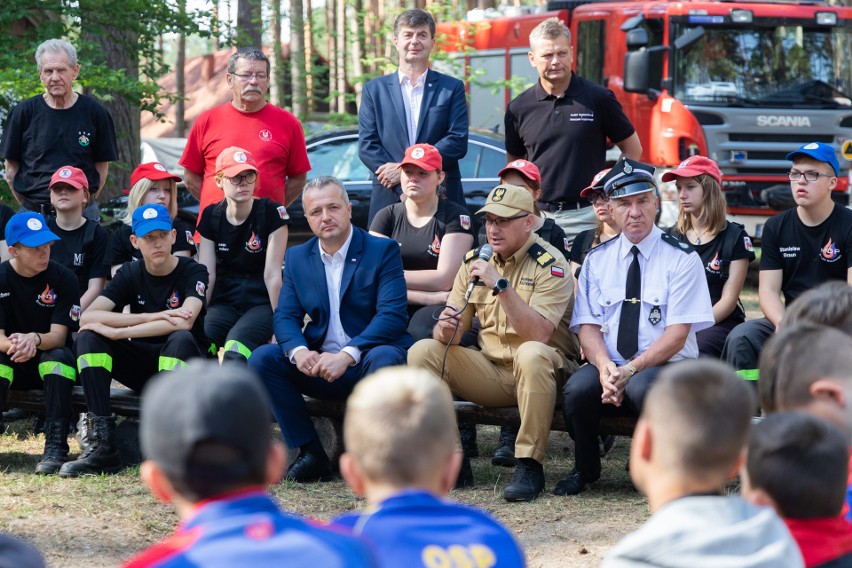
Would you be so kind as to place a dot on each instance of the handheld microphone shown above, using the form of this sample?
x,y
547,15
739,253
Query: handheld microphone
x,y
485,253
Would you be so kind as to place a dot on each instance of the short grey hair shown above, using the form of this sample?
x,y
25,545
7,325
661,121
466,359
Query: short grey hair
x,y
55,46
249,53
322,181
551,28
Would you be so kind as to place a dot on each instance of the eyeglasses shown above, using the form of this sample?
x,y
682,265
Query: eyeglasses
x,y
811,175
501,222
246,77
245,177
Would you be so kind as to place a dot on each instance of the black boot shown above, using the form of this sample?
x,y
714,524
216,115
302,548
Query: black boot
x,y
55,446
102,454
83,432
467,433
505,453
527,483
465,477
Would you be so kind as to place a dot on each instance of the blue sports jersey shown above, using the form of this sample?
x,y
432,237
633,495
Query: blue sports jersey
x,y
415,528
248,529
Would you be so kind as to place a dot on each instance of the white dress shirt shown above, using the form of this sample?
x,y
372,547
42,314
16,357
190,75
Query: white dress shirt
x,y
673,287
336,339
412,98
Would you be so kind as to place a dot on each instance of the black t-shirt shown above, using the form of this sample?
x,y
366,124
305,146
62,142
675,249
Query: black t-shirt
x,y
86,259
145,293
120,250
30,305
44,139
549,232
808,256
565,137
733,241
420,246
5,215
583,243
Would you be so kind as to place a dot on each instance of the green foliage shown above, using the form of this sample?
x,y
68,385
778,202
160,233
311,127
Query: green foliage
x,y
134,25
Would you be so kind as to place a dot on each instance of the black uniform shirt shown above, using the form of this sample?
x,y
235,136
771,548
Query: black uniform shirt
x,y
33,304
120,250
85,259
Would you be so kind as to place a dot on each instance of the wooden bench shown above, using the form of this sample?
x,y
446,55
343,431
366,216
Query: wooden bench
x,y
126,403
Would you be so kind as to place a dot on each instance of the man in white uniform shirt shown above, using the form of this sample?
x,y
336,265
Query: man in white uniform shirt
x,y
641,298
350,285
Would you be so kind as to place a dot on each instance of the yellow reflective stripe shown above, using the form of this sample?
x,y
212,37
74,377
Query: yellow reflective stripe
x,y
7,372
234,345
56,368
170,363
96,360
749,374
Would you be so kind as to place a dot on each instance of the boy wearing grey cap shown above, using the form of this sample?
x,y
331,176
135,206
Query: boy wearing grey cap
x,y
206,434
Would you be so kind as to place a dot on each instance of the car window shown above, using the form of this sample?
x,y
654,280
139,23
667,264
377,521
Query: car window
x,y
481,161
337,157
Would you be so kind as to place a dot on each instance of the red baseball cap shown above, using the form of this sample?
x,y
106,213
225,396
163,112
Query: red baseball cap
x,y
71,176
152,171
523,167
423,156
695,166
596,184
235,160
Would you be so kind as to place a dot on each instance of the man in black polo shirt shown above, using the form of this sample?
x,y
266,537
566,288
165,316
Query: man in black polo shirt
x,y
562,124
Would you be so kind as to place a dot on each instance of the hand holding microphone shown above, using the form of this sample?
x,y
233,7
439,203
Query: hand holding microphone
x,y
485,253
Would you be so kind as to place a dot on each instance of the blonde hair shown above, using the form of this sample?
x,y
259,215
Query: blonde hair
x,y
713,207
137,194
400,425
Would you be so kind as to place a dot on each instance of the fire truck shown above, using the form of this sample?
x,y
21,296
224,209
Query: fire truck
x,y
741,82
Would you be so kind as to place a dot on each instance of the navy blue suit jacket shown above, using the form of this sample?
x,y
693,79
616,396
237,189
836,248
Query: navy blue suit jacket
x,y
373,304
383,130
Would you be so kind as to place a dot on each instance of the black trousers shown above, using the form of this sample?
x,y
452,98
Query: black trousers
x,y
132,362
583,409
239,332
52,370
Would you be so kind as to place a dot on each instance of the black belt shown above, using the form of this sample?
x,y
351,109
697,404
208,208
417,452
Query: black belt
x,y
46,209
556,206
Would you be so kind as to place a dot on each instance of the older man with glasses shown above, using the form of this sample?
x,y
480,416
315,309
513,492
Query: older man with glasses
x,y
520,288
800,248
273,136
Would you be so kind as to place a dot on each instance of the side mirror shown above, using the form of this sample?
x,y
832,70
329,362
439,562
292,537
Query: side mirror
x,y
636,71
637,38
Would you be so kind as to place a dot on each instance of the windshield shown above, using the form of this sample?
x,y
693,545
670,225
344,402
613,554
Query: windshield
x,y
786,65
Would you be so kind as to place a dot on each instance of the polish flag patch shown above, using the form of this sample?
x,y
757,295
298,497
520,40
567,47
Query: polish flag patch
x,y
557,271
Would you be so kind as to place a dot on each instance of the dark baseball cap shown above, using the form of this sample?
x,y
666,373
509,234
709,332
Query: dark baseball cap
x,y
201,404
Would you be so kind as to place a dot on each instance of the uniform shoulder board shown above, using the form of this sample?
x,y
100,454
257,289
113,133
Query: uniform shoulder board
x,y
472,255
680,245
540,254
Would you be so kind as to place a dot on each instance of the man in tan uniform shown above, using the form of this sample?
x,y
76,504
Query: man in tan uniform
x,y
523,298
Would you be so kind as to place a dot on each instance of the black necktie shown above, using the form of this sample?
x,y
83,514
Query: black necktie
x,y
628,329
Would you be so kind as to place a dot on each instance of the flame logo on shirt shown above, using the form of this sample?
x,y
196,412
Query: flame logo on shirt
x,y
435,247
173,301
714,264
48,297
253,243
830,250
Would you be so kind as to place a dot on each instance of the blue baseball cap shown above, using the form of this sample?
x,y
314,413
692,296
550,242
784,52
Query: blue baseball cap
x,y
147,218
29,229
820,152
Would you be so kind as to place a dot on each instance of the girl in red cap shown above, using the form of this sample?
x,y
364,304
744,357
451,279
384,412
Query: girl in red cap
x,y
243,240
725,247
151,184
590,238
433,234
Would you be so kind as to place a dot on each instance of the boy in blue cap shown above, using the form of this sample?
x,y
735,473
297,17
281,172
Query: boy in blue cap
x,y
39,307
166,324
401,437
801,248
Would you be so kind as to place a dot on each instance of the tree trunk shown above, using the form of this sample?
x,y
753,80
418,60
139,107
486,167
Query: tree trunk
x,y
356,27
180,80
248,23
309,56
330,48
276,86
340,54
109,49
297,60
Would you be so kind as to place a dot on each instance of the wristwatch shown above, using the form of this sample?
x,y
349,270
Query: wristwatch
x,y
501,286
630,368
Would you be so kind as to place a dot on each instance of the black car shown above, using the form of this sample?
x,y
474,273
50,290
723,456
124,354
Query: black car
x,y
335,153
